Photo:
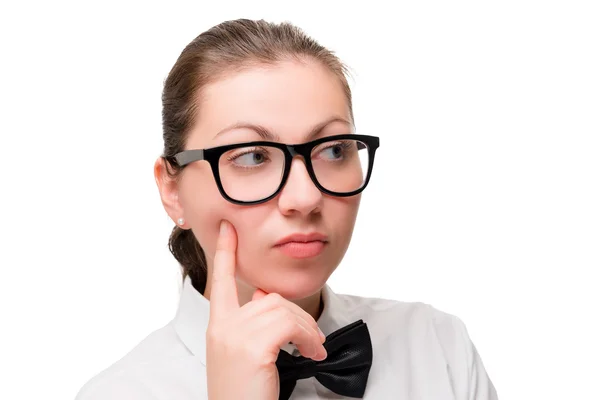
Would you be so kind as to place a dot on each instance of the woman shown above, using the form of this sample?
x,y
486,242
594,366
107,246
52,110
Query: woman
x,y
262,173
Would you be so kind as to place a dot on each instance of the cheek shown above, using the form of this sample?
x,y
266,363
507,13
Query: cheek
x,y
205,208
203,205
342,213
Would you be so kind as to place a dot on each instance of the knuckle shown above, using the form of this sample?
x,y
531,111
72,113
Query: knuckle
x,y
286,319
274,298
218,339
218,330
214,334
311,322
221,250
290,319
281,313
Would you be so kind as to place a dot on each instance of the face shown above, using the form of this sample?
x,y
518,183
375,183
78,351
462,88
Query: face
x,y
289,100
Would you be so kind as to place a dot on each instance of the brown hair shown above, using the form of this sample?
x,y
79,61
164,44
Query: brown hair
x,y
225,48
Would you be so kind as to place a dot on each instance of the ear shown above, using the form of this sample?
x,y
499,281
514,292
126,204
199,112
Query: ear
x,y
169,190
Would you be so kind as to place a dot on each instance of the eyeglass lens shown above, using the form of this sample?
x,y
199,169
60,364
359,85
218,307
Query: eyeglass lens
x,y
255,173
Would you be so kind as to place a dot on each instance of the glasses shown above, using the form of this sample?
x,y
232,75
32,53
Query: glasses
x,y
255,172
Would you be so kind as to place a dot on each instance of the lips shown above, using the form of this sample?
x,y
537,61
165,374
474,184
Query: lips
x,y
302,238
302,245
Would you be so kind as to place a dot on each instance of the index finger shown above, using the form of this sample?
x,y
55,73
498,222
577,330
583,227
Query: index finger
x,y
223,294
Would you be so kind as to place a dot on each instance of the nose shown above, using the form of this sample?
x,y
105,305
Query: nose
x,y
299,195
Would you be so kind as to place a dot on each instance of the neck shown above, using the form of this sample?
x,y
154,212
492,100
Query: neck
x,y
313,304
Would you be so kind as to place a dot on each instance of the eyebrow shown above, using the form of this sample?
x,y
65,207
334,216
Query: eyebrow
x,y
266,134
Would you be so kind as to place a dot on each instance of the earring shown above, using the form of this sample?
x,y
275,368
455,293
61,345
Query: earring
x,y
181,221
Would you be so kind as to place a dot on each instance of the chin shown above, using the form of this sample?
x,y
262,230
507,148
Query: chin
x,y
293,284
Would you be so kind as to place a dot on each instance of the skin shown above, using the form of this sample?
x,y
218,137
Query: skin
x,y
289,99
242,343
260,298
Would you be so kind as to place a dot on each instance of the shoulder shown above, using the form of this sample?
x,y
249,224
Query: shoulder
x,y
412,326
420,331
159,354
394,316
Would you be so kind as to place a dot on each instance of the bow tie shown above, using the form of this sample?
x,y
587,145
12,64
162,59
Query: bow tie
x,y
345,370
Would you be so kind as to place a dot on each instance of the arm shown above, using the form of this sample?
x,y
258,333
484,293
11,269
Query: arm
x,y
468,375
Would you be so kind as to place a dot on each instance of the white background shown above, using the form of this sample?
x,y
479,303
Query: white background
x,y
484,200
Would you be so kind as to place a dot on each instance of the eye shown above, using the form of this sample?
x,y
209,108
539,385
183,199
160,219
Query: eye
x,y
249,157
335,151
253,158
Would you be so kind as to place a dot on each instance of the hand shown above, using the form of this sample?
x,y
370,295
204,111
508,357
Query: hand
x,y
242,343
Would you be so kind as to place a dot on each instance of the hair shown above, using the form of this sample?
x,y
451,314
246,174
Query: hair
x,y
226,48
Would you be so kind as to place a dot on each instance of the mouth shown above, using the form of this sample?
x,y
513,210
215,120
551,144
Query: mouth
x,y
302,245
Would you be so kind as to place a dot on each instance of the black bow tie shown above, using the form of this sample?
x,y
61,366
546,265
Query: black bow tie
x,y
345,370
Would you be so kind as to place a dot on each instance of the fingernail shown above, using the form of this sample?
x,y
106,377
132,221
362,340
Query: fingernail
x,y
223,228
322,353
321,333
314,353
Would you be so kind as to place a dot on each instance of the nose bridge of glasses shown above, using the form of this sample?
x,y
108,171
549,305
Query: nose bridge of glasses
x,y
302,150
293,150
298,175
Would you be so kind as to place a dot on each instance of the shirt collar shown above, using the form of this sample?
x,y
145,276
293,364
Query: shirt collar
x,y
191,319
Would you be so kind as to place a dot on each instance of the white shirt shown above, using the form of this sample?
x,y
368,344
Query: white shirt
x,y
419,353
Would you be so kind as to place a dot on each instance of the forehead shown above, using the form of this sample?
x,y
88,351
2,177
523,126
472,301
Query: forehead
x,y
288,98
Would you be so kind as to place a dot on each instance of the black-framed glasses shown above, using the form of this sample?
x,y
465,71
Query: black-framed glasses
x,y
255,172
